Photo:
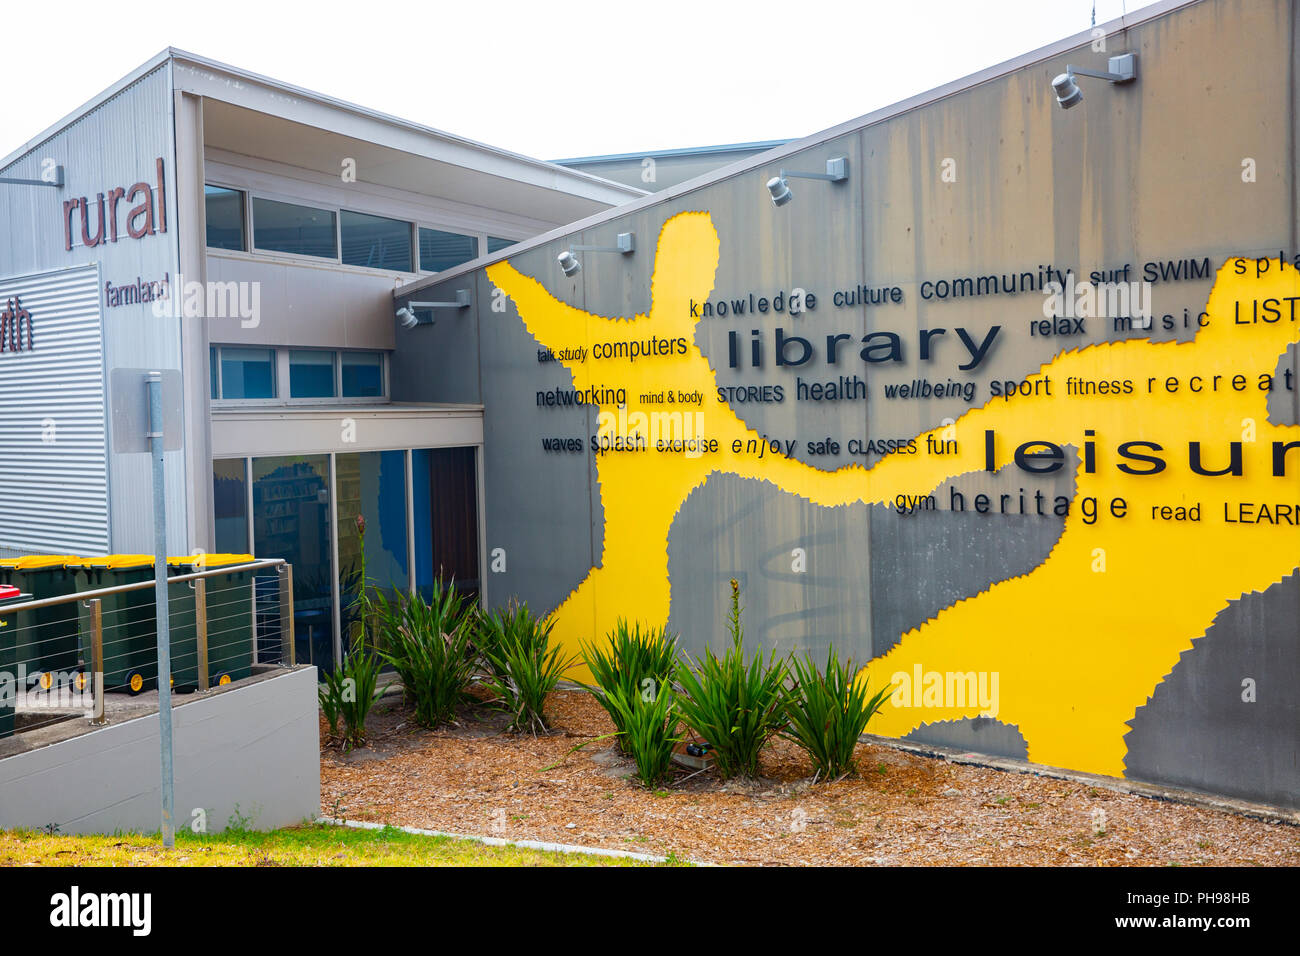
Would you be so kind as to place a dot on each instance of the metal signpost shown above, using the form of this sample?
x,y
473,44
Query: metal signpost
x,y
151,422
155,436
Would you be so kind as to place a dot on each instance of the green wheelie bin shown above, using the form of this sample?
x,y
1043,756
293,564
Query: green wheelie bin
x,y
130,645
229,599
49,646
11,625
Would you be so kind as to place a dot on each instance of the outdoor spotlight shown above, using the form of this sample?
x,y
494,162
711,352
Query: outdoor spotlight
x,y
1123,69
837,171
569,263
408,318
624,244
1067,91
780,190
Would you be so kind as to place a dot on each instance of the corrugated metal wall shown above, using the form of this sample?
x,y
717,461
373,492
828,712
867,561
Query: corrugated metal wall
x,y
53,456
115,145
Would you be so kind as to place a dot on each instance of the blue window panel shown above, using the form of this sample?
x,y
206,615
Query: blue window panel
x,y
287,227
363,374
224,211
247,373
311,374
375,242
445,250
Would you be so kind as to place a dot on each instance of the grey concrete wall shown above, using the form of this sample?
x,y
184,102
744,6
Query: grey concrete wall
x,y
1145,172
250,753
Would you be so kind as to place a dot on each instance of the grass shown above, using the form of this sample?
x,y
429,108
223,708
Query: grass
x,y
307,845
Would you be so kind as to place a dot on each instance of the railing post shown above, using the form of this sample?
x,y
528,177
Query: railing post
x,y
97,658
201,621
287,650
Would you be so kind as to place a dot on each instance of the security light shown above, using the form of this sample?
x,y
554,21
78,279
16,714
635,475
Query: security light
x,y
569,263
1123,69
837,171
409,319
780,190
625,243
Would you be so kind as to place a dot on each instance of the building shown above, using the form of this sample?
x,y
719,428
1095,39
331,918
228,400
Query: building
x,y
1005,410
992,390
246,236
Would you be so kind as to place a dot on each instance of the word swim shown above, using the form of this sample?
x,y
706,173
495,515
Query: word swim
x,y
877,347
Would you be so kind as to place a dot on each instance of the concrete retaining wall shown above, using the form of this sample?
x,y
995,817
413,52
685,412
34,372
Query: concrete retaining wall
x,y
250,754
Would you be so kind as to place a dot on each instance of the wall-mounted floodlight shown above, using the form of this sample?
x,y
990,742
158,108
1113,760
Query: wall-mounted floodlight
x,y
837,171
1123,69
56,182
409,319
570,264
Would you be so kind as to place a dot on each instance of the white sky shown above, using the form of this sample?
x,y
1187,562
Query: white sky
x,y
549,79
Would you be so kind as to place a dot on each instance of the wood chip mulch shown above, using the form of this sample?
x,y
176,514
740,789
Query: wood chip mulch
x,y
902,809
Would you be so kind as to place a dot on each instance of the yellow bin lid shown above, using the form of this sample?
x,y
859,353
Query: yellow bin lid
x,y
34,561
209,560
113,562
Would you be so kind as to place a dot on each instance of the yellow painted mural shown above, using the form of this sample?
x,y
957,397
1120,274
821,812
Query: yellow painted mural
x,y
1082,641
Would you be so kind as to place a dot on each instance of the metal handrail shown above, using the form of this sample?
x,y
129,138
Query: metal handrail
x,y
138,586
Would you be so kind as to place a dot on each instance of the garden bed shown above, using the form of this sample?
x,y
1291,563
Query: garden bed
x,y
903,809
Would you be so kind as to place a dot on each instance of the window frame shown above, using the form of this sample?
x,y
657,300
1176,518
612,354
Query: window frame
x,y
222,401
257,250
413,236
480,243
280,364
246,218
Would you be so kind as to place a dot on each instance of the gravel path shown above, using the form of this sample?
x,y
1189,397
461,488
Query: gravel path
x,y
903,809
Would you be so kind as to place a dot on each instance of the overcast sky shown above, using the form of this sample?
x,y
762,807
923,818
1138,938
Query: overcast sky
x,y
549,79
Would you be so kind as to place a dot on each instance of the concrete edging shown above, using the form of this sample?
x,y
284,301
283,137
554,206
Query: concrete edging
x,y
499,841
1259,811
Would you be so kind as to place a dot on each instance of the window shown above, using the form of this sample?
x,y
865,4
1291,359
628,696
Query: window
x,y
247,373
251,373
363,374
496,245
445,250
285,227
225,215
375,242
291,520
311,374
230,505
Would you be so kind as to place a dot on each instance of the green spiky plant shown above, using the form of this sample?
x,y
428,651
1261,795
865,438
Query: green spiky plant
x,y
634,664
647,720
523,665
354,687
828,710
735,704
431,646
